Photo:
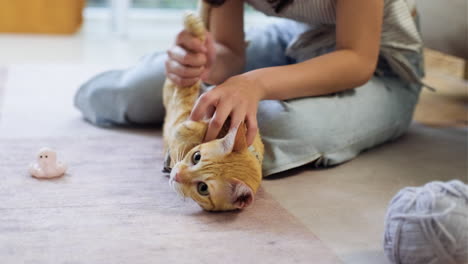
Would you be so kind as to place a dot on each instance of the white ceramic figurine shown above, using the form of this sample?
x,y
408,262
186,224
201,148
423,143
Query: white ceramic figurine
x,y
47,165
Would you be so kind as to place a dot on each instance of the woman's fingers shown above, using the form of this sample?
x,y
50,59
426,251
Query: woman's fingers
x,y
233,98
175,67
188,60
183,67
211,57
186,57
204,103
210,50
207,104
237,116
210,111
188,41
217,121
181,82
252,128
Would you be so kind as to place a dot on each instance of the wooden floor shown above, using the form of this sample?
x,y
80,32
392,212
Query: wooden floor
x,y
448,106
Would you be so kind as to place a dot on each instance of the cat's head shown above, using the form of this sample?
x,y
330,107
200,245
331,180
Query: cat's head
x,y
219,175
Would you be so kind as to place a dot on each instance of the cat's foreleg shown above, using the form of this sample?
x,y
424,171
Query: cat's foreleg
x,y
167,162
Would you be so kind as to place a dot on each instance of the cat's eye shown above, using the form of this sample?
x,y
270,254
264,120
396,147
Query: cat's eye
x,y
196,157
202,189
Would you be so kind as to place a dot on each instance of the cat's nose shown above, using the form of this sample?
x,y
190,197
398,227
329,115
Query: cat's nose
x,y
178,178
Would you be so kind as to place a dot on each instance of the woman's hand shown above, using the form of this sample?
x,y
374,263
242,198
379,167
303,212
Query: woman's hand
x,y
190,59
237,98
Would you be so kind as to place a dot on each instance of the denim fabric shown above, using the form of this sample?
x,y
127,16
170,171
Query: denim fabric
x,y
325,130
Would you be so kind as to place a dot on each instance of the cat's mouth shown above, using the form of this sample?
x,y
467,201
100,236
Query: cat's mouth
x,y
177,187
176,182
175,175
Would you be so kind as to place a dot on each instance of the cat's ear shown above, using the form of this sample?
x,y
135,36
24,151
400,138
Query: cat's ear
x,y
240,143
241,195
235,139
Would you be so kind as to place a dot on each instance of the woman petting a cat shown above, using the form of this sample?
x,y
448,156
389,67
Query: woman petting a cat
x,y
331,79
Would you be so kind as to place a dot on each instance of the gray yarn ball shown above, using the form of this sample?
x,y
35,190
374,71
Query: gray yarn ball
x,y
428,224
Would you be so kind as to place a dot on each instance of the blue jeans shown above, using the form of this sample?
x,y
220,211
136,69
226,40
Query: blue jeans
x,y
326,130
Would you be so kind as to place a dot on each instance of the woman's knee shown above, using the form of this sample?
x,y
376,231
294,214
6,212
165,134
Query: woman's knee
x,y
97,99
132,96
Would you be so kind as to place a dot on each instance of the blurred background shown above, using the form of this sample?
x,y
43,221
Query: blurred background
x,y
114,32
149,3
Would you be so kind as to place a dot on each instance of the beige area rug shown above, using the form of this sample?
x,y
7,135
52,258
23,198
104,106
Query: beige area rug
x,y
114,205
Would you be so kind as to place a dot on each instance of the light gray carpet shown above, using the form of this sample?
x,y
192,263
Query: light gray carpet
x,y
114,205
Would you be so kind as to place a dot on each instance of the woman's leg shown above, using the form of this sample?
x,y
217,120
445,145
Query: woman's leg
x,y
329,130
326,130
123,97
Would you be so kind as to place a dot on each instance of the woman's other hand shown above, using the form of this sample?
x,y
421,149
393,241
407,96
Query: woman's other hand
x,y
190,59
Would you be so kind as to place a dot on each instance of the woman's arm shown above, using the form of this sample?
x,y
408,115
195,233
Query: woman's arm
x,y
358,29
216,59
351,65
227,31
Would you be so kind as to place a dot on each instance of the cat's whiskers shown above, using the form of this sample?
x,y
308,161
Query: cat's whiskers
x,y
179,156
172,184
182,190
177,188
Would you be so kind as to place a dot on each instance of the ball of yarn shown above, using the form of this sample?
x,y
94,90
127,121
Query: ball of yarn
x,y
428,224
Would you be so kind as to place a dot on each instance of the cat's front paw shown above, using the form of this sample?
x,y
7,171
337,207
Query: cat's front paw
x,y
167,163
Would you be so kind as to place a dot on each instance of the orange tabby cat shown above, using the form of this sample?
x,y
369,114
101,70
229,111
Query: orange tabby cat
x,y
220,175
